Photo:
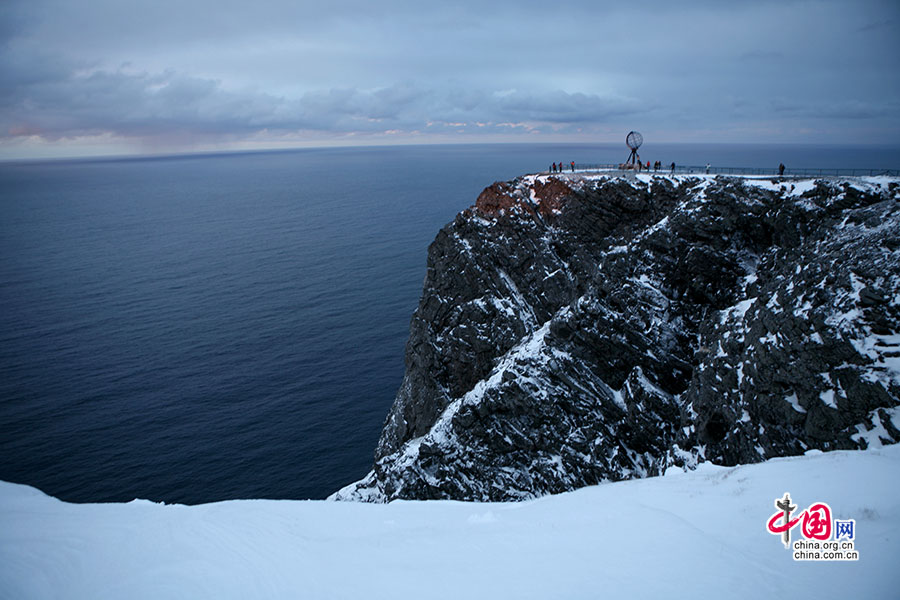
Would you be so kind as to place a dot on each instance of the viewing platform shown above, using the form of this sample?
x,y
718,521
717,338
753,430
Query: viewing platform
x,y
750,171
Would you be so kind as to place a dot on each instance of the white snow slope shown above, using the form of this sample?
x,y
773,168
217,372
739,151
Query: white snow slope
x,y
689,535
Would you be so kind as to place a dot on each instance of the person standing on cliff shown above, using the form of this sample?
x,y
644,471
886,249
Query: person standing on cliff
x,y
781,169
573,165
673,168
553,168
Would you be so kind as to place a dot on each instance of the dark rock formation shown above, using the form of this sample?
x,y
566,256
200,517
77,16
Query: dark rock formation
x,y
576,330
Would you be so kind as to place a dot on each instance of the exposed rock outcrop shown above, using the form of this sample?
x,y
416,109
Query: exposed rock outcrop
x,y
574,330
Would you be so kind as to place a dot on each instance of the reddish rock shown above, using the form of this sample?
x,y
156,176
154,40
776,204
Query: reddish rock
x,y
503,196
552,195
495,198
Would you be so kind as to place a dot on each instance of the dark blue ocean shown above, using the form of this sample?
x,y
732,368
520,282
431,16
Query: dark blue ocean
x,y
199,328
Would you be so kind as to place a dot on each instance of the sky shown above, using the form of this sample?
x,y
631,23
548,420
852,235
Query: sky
x,y
89,77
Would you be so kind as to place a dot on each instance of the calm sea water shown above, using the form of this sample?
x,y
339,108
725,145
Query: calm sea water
x,y
191,329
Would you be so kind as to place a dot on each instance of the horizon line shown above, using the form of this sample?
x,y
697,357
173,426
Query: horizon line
x,y
281,150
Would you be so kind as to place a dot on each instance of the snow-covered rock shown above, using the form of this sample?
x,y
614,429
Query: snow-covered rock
x,y
574,330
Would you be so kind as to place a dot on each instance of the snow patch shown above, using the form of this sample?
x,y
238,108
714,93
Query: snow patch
x,y
795,403
827,398
527,311
737,311
707,527
877,435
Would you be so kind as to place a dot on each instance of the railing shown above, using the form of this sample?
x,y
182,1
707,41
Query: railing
x,y
742,171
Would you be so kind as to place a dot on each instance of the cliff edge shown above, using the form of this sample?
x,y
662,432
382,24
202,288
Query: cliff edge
x,y
578,329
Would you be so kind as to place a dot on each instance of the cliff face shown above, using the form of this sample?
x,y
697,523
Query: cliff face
x,y
576,330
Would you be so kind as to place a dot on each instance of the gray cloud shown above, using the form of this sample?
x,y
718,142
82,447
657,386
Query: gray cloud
x,y
231,69
881,24
853,110
48,101
763,55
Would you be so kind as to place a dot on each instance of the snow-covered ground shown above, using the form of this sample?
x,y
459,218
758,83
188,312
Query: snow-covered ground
x,y
688,535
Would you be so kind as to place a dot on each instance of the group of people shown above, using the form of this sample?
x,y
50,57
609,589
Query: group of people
x,y
656,165
638,165
558,168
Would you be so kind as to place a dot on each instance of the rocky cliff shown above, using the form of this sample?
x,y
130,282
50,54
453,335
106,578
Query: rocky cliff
x,y
579,329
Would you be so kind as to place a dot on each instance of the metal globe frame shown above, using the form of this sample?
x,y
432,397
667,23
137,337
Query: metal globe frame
x,y
633,140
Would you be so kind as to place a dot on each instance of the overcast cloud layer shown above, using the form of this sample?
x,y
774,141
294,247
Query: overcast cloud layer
x,y
102,76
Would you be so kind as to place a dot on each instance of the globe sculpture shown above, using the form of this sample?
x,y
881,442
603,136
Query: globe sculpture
x,y
633,140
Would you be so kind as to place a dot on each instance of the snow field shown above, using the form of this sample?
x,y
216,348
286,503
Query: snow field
x,y
699,534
